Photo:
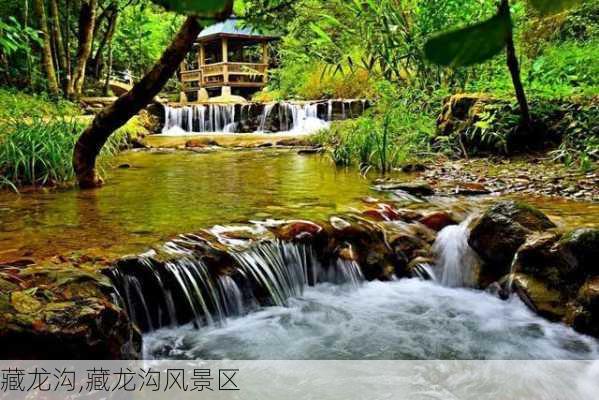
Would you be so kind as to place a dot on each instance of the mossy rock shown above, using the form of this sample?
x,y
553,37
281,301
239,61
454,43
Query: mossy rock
x,y
545,301
499,233
580,248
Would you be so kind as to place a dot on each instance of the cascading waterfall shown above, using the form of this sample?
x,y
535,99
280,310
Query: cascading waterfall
x,y
456,262
199,119
184,289
223,118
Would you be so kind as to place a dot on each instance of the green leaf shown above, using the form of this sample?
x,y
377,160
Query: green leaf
x,y
322,34
548,7
203,8
470,45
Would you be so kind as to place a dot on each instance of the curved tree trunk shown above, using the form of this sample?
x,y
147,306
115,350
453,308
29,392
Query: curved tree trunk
x,y
87,20
114,116
47,59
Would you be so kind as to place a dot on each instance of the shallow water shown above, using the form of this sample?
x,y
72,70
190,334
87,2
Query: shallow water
x,y
407,319
162,195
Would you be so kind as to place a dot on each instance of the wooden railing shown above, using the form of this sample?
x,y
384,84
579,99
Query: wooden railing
x,y
229,73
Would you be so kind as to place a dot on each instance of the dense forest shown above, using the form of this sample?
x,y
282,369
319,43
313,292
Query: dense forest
x,y
54,52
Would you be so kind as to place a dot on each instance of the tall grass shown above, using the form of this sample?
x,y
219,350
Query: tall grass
x,y
39,152
396,131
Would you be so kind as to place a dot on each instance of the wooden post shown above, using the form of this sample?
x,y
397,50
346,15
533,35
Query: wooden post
x,y
265,61
201,61
225,43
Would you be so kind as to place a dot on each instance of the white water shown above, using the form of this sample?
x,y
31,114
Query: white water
x,y
194,119
406,319
456,262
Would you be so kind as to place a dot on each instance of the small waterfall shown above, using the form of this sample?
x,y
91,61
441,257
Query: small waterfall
x,y
199,119
184,289
264,117
304,117
457,263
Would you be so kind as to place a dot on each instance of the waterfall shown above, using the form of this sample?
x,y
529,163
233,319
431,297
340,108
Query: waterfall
x,y
304,117
457,263
184,289
264,117
199,119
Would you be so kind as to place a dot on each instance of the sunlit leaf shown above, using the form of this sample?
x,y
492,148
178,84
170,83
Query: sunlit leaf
x,y
322,34
205,8
471,45
547,7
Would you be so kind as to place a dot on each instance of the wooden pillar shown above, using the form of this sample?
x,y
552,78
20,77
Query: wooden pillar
x,y
265,61
201,62
183,68
202,56
225,43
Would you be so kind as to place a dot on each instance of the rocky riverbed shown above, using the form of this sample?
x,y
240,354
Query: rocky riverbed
x,y
518,249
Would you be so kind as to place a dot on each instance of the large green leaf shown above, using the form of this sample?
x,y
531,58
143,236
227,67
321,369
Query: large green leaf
x,y
547,7
470,45
204,8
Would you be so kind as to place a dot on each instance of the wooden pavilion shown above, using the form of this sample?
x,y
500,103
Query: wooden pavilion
x,y
227,59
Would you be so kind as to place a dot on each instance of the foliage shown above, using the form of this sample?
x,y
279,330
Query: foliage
x,y
39,152
398,129
17,105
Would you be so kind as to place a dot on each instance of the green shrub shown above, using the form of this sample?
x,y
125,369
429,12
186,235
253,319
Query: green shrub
x,y
397,130
39,152
17,104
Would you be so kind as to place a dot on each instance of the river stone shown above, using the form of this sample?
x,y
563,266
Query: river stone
x,y
413,188
62,311
298,231
580,248
535,294
500,231
584,314
437,220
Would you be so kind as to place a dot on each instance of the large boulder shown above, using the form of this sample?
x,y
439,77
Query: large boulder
x,y
583,313
557,276
63,312
500,231
545,301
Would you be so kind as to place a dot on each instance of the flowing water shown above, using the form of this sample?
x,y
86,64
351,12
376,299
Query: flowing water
x,y
293,117
306,310
407,319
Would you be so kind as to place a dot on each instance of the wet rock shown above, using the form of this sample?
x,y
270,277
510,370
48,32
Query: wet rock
x,y
410,168
382,212
413,188
584,315
199,143
580,248
298,231
500,231
293,142
312,150
63,312
437,220
543,300
538,257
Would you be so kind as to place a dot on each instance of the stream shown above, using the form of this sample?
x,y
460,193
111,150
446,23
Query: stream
x,y
155,196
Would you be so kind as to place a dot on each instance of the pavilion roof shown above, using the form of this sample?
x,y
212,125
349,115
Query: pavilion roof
x,y
233,28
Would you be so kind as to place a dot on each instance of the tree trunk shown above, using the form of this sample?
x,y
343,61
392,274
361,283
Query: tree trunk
x,y
47,60
57,35
87,19
512,64
97,61
114,116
